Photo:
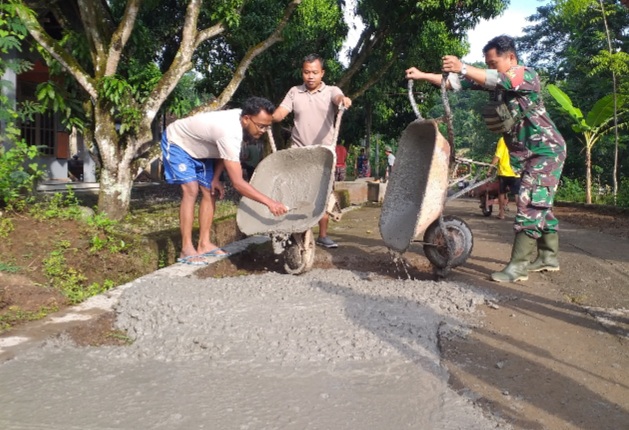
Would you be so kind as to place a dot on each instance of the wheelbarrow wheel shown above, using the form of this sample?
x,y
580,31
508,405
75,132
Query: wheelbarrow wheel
x,y
299,253
435,246
484,206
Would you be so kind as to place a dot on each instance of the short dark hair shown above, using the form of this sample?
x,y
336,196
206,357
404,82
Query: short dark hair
x,y
253,105
502,44
310,58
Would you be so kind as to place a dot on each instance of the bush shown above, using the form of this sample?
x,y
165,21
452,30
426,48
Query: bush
x,y
623,193
18,174
570,190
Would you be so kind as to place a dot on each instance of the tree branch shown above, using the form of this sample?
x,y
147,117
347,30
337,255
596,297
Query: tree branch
x,y
210,32
121,36
180,64
374,78
368,41
98,25
56,51
248,58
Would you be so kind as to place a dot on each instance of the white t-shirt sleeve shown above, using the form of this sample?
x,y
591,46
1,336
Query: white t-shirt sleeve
x,y
229,147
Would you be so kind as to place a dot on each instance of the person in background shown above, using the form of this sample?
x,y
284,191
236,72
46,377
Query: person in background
x,y
314,105
507,179
195,152
536,147
341,167
390,162
252,154
361,167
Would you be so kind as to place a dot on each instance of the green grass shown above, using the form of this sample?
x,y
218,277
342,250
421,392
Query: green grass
x,y
16,314
8,268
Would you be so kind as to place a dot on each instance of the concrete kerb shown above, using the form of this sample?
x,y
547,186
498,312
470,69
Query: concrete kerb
x,y
34,333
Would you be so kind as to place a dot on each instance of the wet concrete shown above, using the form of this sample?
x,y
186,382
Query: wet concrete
x,y
328,349
301,178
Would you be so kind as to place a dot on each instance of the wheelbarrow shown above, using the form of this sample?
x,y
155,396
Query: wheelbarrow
x,y
302,179
487,194
417,191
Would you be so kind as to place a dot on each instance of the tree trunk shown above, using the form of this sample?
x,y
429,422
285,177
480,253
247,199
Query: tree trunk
x,y
368,119
114,196
615,92
588,175
116,157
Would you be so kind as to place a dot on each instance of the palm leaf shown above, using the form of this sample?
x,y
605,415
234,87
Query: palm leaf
x,y
565,102
602,111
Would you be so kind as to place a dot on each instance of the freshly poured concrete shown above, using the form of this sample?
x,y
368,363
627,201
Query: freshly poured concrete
x,y
294,177
417,188
330,349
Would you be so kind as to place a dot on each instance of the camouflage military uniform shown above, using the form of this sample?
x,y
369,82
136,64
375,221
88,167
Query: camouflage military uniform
x,y
537,149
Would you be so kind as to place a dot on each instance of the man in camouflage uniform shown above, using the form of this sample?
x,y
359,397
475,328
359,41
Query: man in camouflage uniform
x,y
537,150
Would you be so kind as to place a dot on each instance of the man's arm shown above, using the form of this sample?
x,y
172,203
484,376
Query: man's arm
x,y
280,113
342,100
451,64
493,165
234,170
418,75
216,185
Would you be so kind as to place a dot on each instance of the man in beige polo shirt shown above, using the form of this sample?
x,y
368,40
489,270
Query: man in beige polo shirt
x,y
314,105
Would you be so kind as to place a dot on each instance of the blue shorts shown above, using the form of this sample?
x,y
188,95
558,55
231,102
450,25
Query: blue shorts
x,y
180,168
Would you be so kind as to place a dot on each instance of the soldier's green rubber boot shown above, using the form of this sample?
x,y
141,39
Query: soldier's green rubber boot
x,y
517,269
547,251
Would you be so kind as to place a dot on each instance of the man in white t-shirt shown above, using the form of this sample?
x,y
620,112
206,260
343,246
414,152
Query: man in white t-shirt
x,y
196,150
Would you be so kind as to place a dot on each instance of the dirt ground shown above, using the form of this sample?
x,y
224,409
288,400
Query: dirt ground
x,y
549,353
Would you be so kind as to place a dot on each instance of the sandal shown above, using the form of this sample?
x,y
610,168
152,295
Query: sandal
x,y
216,252
193,260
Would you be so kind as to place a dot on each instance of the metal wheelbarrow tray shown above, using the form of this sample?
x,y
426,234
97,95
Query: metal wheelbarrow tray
x,y
302,179
416,192
416,195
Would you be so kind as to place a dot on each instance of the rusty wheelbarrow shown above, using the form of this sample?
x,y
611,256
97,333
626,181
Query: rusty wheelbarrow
x,y
487,194
302,179
416,194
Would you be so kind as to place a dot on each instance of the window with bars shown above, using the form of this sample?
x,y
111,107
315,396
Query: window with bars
x,y
41,131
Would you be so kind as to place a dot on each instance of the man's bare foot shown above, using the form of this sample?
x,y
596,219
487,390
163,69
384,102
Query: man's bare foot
x,y
212,250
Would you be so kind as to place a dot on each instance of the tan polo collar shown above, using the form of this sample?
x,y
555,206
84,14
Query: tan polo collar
x,y
302,88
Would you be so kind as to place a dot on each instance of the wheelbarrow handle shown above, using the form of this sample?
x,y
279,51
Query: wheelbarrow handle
x,y
448,115
269,133
337,123
411,97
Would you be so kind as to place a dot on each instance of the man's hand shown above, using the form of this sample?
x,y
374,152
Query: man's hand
x,y
451,63
217,187
277,208
413,73
344,102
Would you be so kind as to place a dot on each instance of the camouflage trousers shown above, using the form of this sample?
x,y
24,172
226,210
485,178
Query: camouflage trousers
x,y
540,179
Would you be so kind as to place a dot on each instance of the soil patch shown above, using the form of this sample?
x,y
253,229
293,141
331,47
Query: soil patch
x,y
46,265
